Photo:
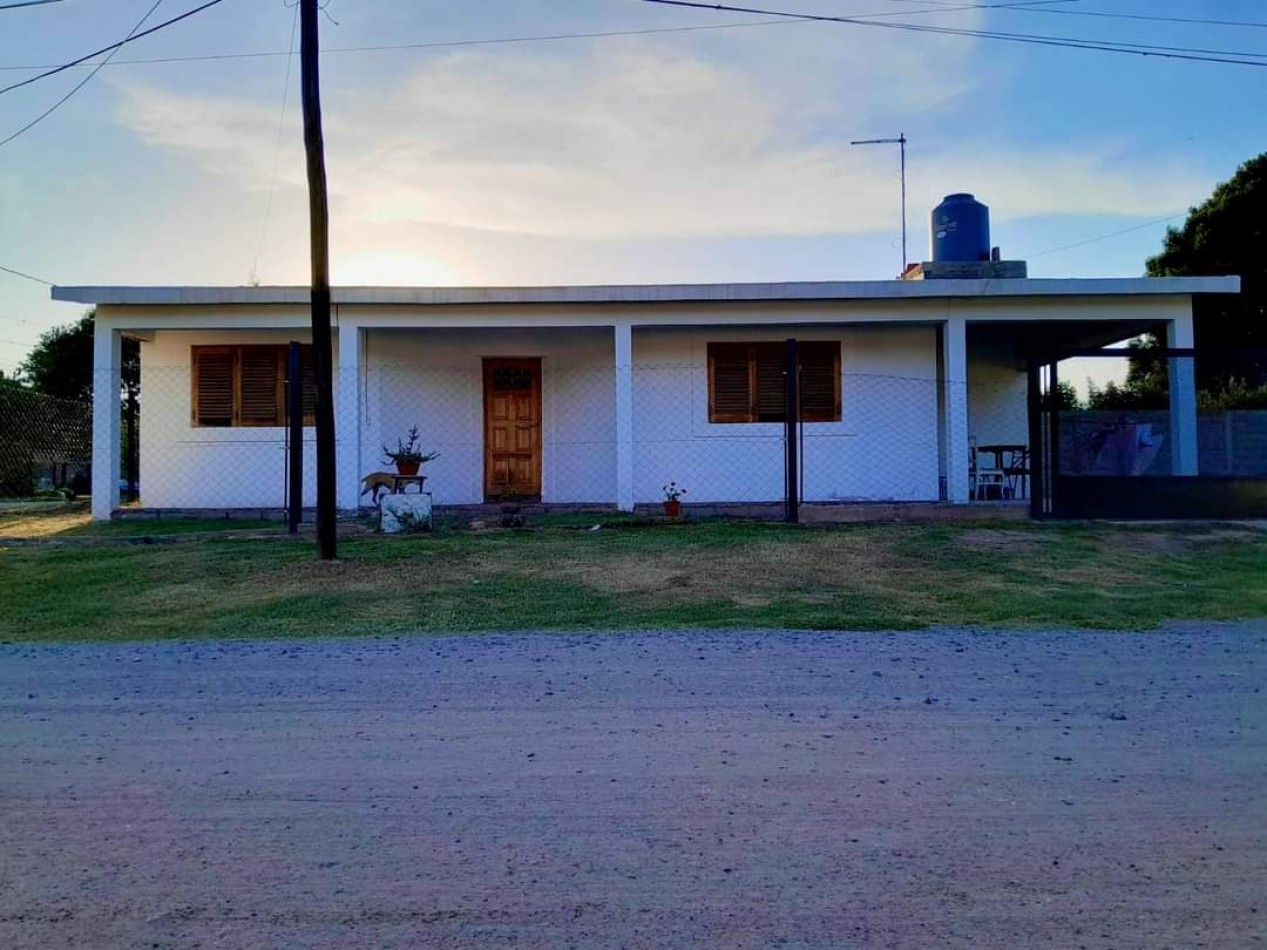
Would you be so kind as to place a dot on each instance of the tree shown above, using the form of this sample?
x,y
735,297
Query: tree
x,y
61,362
1226,235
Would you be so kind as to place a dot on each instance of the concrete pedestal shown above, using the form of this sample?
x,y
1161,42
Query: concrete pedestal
x,y
402,514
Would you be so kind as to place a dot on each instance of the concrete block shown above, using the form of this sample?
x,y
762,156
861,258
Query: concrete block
x,y
403,514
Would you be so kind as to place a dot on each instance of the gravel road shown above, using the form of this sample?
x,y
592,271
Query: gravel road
x,y
947,789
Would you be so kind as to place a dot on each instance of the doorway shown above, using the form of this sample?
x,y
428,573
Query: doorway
x,y
512,429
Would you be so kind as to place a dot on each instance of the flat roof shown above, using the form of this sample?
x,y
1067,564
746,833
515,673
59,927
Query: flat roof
x,y
659,293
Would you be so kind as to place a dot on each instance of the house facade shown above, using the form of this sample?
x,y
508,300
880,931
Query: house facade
x,y
603,394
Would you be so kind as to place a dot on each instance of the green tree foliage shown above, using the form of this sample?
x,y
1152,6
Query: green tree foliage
x,y
61,362
1226,235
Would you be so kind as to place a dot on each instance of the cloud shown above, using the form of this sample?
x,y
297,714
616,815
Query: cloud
x,y
650,139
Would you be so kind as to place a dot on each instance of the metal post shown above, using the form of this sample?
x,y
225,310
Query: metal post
x,y
1037,442
295,441
133,461
791,422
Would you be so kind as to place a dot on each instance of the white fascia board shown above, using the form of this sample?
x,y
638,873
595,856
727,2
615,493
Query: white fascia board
x,y
657,293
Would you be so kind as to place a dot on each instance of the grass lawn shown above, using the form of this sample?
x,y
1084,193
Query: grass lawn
x,y
64,578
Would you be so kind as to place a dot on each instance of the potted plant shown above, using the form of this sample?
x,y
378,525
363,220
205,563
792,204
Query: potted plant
x,y
406,456
673,500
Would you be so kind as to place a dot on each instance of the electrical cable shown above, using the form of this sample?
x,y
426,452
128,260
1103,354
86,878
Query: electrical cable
x,y
546,37
1105,237
105,49
277,151
79,85
18,273
1225,57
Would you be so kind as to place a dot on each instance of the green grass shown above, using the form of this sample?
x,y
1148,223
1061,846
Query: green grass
x,y
96,582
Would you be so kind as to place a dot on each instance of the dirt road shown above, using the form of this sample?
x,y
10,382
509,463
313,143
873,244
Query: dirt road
x,y
948,789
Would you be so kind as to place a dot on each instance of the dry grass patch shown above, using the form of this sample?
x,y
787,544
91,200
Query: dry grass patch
x,y
43,522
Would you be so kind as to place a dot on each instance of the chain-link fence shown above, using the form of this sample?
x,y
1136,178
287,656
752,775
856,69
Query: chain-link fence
x,y
45,443
547,430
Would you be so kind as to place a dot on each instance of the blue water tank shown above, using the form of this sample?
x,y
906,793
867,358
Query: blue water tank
x,y
961,230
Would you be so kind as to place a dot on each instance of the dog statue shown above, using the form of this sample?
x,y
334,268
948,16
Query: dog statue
x,y
377,482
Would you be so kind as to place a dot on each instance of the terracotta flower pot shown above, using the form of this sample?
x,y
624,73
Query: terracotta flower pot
x,y
408,469
672,508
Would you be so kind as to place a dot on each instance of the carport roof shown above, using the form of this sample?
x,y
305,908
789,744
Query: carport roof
x,y
658,293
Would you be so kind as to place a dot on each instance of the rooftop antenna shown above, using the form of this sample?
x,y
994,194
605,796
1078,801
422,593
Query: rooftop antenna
x,y
900,141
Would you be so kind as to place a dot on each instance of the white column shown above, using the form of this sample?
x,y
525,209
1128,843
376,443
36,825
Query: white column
x,y
954,374
1183,398
107,359
624,417
347,414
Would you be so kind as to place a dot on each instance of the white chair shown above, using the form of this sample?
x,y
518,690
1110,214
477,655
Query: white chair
x,y
987,484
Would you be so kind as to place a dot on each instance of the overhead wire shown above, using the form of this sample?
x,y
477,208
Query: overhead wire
x,y
945,6
105,49
1105,237
79,85
277,150
18,273
1226,57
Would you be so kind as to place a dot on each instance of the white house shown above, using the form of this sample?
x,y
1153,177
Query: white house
x,y
602,394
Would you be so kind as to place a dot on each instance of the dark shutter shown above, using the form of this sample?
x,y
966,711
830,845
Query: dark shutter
x,y
729,390
260,389
213,386
308,379
770,361
820,381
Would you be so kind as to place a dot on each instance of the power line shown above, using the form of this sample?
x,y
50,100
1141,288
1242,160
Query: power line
x,y
113,46
549,37
1047,7
79,85
1105,237
545,37
1136,49
27,3
1149,17
277,150
18,273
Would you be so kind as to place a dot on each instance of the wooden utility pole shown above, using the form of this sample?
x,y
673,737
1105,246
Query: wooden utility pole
x,y
319,237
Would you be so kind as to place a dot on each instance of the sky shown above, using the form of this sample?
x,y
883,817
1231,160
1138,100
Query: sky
x,y
663,154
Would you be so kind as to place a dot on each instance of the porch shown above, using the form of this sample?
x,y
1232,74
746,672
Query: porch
x,y
614,412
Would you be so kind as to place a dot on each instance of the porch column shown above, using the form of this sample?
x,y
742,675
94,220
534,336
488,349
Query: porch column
x,y
1183,398
954,377
347,415
107,360
624,417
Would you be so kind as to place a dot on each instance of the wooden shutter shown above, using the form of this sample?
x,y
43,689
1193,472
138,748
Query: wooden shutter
x,y
769,362
729,383
308,379
213,385
260,387
820,381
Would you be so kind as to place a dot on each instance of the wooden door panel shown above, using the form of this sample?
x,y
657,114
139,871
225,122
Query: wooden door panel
x,y
512,428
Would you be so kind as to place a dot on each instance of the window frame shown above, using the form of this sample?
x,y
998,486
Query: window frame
x,y
753,350
281,351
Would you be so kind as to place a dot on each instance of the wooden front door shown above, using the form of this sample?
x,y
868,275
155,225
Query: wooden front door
x,y
512,429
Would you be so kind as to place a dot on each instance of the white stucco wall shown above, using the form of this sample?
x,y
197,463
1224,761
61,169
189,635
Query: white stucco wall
x,y
884,446
434,379
997,395
183,466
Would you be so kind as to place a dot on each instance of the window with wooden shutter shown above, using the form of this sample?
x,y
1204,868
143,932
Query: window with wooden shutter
x,y
308,380
213,385
746,384
246,385
260,388
819,382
